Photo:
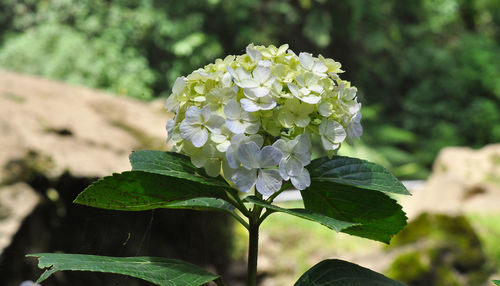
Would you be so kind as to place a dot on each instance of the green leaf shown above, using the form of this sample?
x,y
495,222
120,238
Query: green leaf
x,y
329,222
160,271
496,282
203,204
173,165
380,216
355,172
335,272
138,190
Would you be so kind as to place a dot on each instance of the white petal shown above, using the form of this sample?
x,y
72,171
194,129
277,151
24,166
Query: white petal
x,y
205,113
232,110
222,147
231,156
248,154
248,83
235,126
335,132
249,105
292,166
252,128
316,88
268,182
170,125
253,53
232,72
306,60
282,146
266,103
214,123
227,79
328,145
199,138
227,171
212,167
294,89
179,85
302,121
283,173
257,139
302,181
286,118
303,144
218,138
193,115
325,109
260,91
198,159
261,74
319,68
311,98
269,157
188,130
244,179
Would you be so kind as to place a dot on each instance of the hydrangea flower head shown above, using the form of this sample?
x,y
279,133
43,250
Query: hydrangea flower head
x,y
250,118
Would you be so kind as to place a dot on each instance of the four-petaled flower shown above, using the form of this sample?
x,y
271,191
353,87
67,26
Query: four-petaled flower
x,y
295,156
239,121
257,169
198,123
332,134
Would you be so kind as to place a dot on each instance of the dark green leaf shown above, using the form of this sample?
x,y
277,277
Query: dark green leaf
x,y
137,190
355,172
496,282
335,272
380,216
160,271
173,165
327,221
202,204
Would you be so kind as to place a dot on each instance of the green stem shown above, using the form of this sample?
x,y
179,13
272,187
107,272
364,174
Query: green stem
x,y
253,243
253,251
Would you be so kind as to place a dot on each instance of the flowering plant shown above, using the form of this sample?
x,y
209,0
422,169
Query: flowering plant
x,y
241,135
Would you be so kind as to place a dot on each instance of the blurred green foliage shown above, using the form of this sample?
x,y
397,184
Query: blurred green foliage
x,y
428,71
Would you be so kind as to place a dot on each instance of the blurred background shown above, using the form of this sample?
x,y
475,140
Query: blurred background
x,y
428,74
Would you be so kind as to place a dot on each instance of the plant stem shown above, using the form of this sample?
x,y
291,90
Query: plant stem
x,y
253,251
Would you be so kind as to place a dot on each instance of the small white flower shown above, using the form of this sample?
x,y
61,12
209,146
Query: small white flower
x,y
217,98
295,113
312,64
253,53
258,83
300,181
178,97
255,169
332,134
354,128
198,123
236,141
239,121
223,139
206,157
307,89
295,154
254,103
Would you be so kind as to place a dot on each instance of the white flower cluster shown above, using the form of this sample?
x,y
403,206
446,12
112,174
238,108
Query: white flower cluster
x,y
250,118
